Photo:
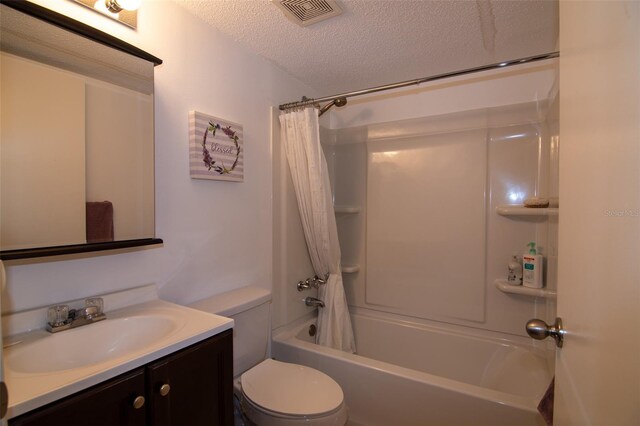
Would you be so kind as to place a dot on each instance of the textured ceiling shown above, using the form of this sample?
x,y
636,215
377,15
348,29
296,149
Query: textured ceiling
x,y
377,42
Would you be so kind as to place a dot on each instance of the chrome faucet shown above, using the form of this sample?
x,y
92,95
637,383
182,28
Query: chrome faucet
x,y
314,282
62,318
312,301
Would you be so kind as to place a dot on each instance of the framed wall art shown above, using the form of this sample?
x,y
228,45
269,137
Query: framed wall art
x,y
216,148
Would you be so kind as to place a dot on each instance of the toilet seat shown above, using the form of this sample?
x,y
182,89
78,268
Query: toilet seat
x,y
291,390
275,393
255,415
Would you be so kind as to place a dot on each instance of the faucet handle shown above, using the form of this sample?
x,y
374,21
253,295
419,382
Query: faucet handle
x,y
58,315
318,281
96,302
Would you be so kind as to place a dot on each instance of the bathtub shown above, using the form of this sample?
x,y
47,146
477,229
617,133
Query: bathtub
x,y
409,373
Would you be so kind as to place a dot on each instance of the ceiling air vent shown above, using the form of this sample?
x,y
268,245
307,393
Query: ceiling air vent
x,y
307,12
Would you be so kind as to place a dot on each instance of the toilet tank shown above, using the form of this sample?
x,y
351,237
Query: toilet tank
x,y
250,308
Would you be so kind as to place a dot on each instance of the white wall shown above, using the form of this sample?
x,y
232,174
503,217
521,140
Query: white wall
x,y
217,234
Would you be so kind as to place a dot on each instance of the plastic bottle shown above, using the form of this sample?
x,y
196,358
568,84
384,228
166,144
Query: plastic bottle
x,y
515,271
532,268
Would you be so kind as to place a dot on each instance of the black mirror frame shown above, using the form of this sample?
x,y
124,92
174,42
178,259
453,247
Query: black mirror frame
x,y
91,33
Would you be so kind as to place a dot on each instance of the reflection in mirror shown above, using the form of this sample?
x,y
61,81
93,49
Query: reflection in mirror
x,y
76,132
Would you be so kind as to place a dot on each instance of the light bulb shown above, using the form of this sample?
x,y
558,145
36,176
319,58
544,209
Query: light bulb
x,y
129,4
118,5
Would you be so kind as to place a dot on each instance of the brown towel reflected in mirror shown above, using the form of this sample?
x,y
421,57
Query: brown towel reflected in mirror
x,y
99,221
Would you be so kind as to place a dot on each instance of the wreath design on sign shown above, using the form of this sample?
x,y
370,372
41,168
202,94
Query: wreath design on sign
x,y
208,160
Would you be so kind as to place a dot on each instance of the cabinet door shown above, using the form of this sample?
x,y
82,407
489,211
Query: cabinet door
x,y
200,380
106,404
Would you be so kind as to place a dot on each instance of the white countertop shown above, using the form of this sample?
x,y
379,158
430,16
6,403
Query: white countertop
x,y
30,390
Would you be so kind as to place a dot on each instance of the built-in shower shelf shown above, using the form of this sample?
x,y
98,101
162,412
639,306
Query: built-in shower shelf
x,y
347,209
350,269
504,286
520,210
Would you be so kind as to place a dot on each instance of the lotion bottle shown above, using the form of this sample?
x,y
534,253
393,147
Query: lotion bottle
x,y
515,271
532,268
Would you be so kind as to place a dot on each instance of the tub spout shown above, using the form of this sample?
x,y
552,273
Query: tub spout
x,y
312,301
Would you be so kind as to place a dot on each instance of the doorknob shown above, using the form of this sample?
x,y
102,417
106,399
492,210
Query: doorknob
x,y
540,330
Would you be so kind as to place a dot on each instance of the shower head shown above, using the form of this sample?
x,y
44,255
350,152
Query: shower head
x,y
339,102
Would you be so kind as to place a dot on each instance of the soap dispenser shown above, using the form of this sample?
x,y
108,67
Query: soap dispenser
x,y
532,268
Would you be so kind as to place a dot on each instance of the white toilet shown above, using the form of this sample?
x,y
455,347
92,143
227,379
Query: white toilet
x,y
272,393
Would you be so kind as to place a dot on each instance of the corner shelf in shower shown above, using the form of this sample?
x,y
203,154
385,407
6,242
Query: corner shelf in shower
x,y
340,210
505,287
350,269
520,210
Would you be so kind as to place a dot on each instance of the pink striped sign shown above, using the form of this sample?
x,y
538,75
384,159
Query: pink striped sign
x,y
216,149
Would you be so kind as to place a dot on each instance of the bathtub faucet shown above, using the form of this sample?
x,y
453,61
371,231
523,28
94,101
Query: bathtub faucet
x,y
312,301
314,282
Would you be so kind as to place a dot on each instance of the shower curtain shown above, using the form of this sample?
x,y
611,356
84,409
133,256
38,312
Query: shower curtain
x,y
300,133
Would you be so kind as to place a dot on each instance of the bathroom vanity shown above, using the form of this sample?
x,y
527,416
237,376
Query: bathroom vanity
x,y
150,362
191,386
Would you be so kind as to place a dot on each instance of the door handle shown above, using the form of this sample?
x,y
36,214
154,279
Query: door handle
x,y
539,330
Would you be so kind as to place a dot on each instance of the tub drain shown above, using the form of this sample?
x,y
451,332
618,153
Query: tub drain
x,y
312,330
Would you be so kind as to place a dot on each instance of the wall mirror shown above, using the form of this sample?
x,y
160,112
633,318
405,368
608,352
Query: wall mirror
x,y
76,137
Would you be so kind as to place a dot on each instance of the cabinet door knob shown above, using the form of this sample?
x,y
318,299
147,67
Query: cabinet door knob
x,y
138,402
164,389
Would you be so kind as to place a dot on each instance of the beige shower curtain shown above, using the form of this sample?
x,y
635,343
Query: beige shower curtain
x,y
300,133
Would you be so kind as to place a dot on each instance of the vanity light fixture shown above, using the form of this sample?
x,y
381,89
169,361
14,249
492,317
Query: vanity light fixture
x,y
115,6
100,6
123,11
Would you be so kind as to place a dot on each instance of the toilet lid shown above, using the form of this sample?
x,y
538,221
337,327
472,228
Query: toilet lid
x,y
291,389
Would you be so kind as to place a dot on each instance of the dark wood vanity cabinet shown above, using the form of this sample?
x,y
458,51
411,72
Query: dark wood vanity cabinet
x,y
193,387
106,404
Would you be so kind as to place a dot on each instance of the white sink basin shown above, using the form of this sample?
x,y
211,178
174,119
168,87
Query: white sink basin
x,y
90,344
42,367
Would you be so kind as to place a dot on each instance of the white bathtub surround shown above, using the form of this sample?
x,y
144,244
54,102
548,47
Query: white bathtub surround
x,y
301,137
425,225
427,234
425,374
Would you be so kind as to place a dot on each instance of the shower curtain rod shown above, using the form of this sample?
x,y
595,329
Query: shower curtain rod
x,y
503,64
